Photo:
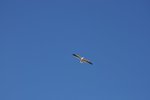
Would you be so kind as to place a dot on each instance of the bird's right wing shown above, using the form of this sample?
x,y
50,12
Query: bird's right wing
x,y
77,56
87,61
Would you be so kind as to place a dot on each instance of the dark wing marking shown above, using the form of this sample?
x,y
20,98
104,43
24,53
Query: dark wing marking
x,y
76,55
89,62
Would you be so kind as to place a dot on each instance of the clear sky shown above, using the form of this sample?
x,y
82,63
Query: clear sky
x,y
38,38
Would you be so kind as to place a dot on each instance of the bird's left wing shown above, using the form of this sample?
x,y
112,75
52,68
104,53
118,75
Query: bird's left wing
x,y
77,56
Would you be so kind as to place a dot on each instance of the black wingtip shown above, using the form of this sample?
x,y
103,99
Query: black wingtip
x,y
74,54
90,63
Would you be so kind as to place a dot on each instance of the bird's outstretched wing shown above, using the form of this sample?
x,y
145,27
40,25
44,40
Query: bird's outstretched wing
x,y
87,61
77,56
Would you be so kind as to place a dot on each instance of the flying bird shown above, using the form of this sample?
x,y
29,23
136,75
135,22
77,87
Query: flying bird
x,y
82,59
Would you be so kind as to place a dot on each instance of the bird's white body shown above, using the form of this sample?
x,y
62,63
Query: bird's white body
x,y
82,60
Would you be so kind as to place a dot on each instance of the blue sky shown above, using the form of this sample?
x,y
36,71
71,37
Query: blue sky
x,y
38,39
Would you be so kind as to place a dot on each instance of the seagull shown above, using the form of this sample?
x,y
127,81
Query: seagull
x,y
82,59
